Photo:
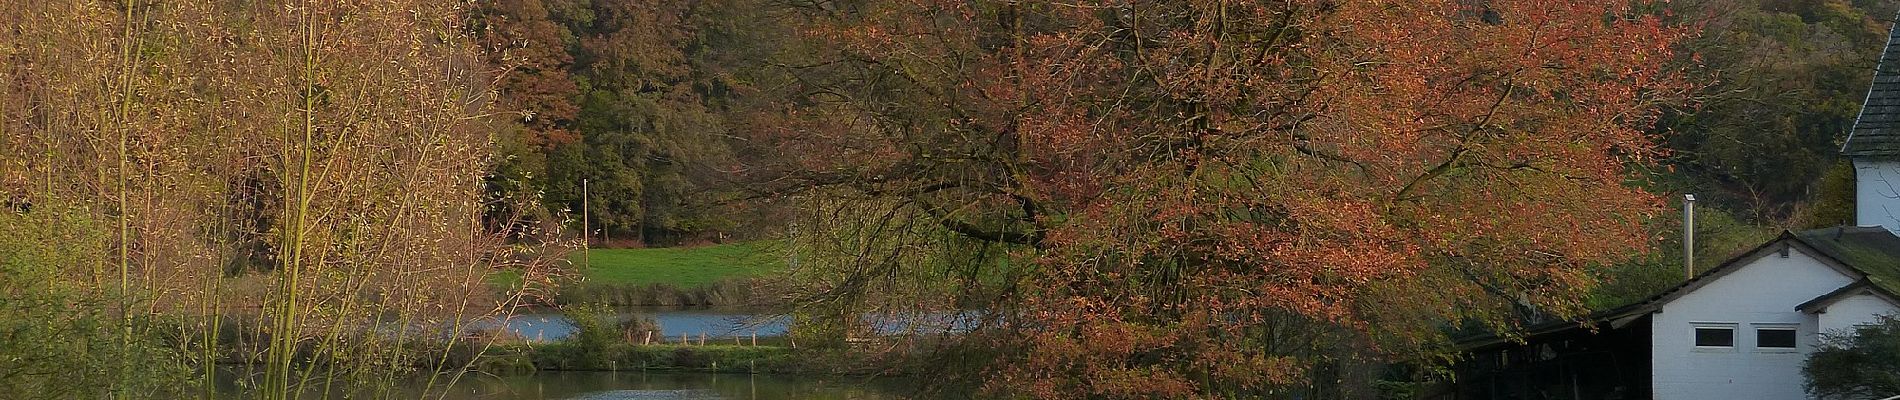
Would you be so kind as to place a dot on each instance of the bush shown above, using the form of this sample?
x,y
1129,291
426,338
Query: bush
x,y
598,329
729,292
60,338
1863,363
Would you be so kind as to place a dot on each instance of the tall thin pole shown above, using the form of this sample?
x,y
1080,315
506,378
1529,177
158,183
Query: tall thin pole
x,y
1688,236
586,239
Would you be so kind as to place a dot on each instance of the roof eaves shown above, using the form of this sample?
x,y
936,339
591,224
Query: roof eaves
x,y
1821,302
1621,316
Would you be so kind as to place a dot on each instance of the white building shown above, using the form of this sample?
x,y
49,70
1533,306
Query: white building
x,y
1741,330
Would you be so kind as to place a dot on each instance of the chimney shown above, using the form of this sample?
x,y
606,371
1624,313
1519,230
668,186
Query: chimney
x,y
1688,236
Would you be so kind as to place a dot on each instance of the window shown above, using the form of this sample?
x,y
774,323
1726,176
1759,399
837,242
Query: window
x,y
1775,337
1714,336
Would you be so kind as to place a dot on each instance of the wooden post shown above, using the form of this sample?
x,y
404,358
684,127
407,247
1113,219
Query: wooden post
x,y
683,341
702,338
755,337
649,339
586,261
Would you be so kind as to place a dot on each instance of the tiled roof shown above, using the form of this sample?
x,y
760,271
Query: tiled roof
x,y
1877,132
1872,250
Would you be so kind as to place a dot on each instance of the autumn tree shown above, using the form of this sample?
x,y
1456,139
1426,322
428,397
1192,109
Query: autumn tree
x,y
305,173
638,92
1207,198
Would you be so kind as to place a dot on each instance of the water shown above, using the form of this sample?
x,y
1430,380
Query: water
x,y
551,385
544,326
580,385
716,323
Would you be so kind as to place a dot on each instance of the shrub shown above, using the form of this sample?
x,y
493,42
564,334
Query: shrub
x,y
598,329
1862,363
62,339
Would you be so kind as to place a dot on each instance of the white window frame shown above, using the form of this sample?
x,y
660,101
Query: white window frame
x,y
1734,332
1785,326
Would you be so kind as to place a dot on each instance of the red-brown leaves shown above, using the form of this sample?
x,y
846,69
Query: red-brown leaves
x,y
1212,175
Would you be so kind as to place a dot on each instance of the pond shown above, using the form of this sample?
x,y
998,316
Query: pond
x,y
551,385
586,385
551,325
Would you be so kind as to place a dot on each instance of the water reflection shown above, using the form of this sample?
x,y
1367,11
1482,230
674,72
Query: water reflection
x,y
563,385
551,385
716,323
548,325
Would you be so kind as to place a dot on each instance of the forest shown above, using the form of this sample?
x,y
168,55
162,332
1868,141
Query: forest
x,y
1132,199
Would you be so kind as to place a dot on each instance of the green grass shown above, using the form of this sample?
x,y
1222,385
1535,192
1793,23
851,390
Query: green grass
x,y
674,276
684,267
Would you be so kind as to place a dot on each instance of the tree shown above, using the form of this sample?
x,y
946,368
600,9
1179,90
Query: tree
x,y
1785,80
1205,198
1860,363
342,143
639,89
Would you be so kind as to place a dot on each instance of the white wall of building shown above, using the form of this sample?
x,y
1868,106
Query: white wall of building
x,y
1765,291
1854,310
1877,194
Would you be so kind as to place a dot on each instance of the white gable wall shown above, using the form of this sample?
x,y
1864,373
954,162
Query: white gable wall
x,y
1877,193
1764,291
1854,310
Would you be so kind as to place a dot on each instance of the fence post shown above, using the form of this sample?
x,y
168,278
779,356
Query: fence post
x,y
649,339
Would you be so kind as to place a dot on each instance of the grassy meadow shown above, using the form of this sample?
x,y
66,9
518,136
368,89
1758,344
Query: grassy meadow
x,y
717,275
684,267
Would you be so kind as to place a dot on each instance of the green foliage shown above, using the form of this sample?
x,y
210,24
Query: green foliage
x,y
1783,83
593,325
598,329
1720,235
730,292
1862,363
57,338
1833,202
631,96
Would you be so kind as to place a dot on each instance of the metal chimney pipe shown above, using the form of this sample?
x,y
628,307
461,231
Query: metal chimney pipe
x,y
1688,236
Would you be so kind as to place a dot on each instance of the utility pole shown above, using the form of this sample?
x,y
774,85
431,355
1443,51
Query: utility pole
x,y
586,239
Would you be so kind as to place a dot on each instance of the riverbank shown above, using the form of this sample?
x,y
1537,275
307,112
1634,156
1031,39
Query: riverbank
x,y
719,358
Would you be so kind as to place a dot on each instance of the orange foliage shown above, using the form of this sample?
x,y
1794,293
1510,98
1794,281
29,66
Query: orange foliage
x,y
1193,177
